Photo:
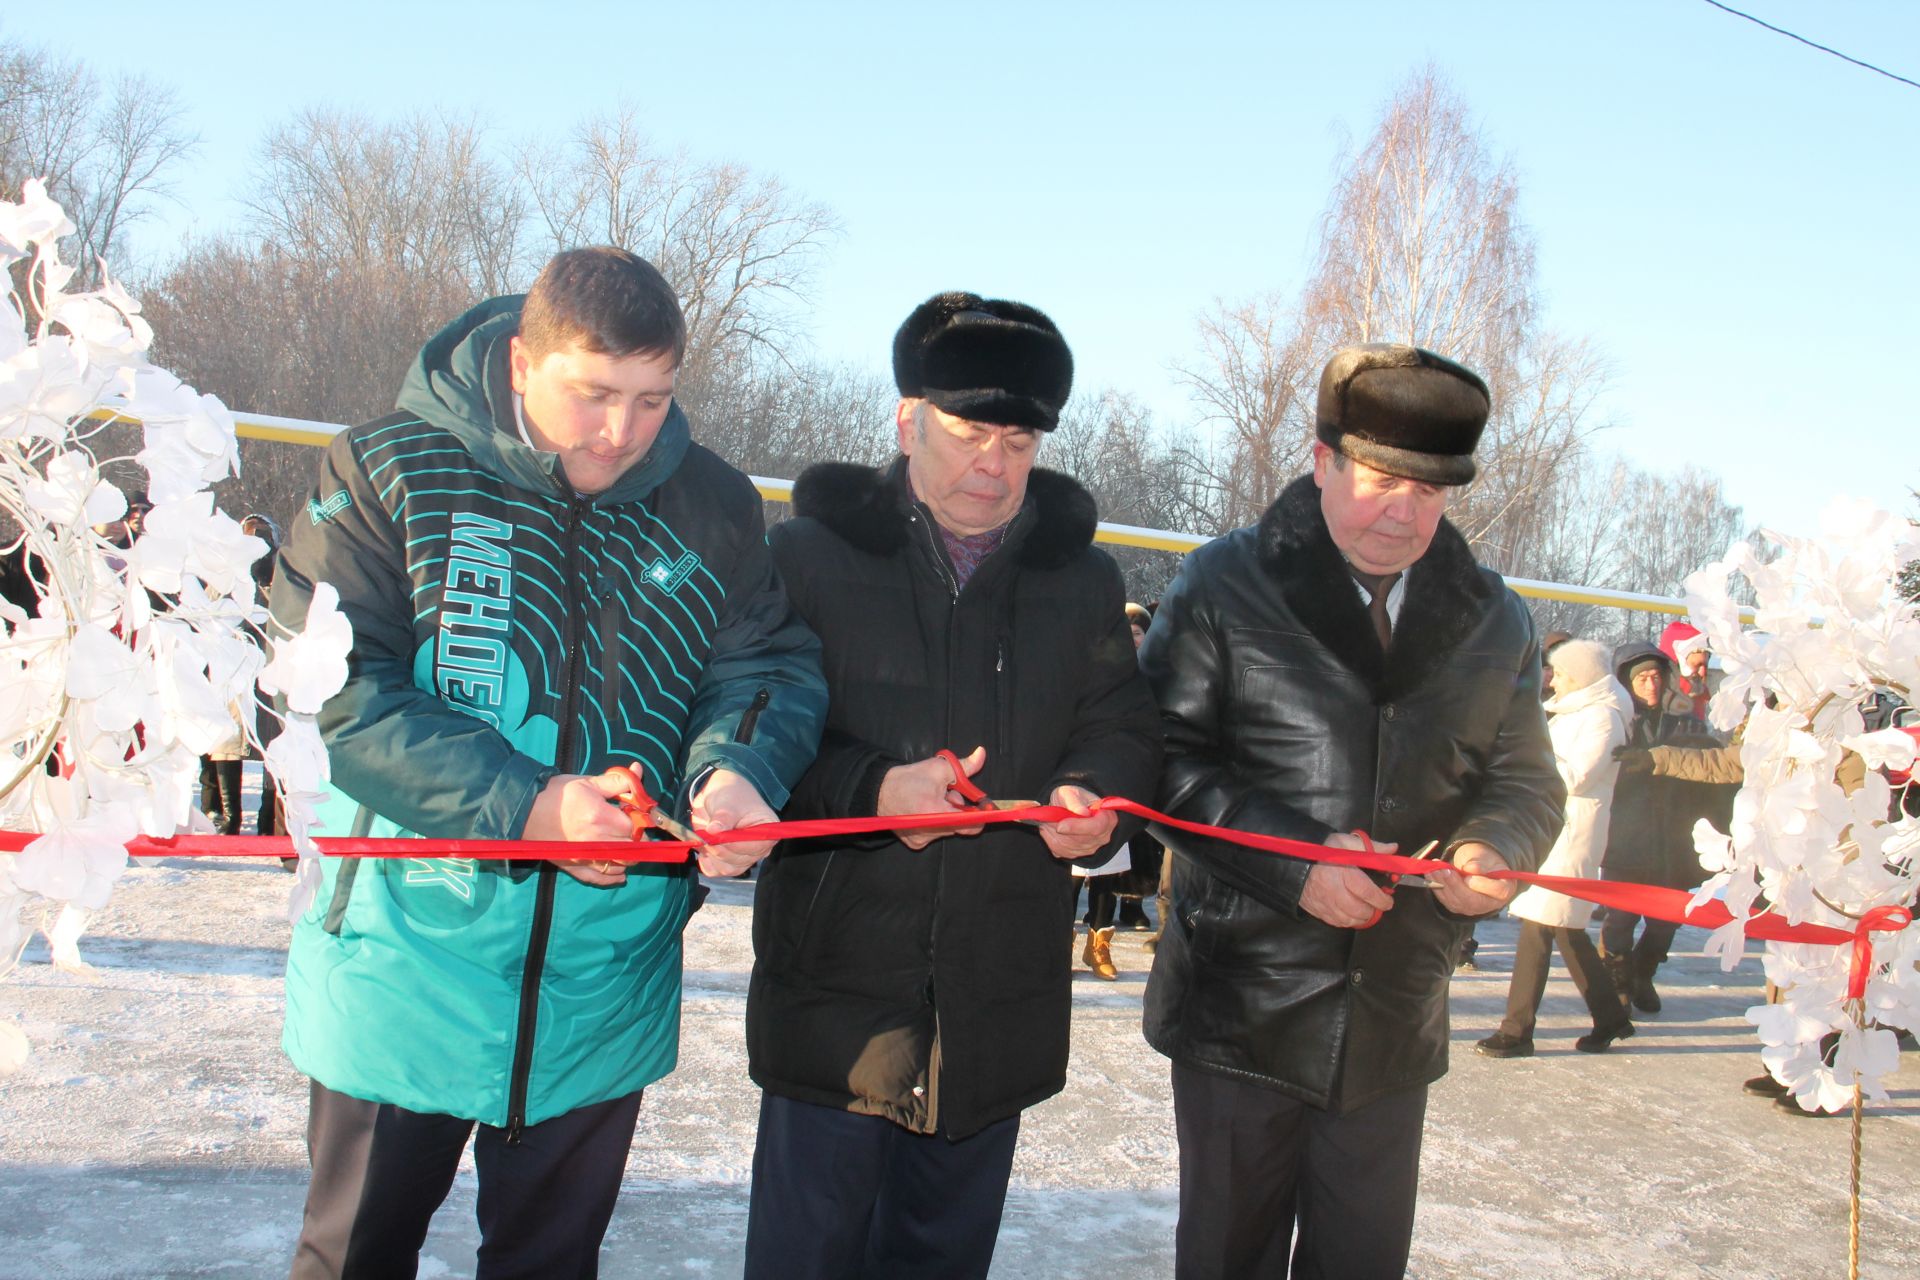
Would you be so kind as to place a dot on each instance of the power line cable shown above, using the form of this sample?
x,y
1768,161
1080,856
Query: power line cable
x,y
1812,44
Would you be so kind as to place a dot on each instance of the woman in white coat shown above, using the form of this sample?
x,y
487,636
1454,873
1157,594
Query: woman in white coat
x,y
1588,717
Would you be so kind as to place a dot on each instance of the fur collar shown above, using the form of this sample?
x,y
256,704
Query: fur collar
x,y
866,506
1447,594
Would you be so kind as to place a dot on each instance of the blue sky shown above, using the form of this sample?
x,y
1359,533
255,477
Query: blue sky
x,y
1728,214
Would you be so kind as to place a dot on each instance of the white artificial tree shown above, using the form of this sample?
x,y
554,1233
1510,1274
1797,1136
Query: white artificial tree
x,y
141,659
1831,633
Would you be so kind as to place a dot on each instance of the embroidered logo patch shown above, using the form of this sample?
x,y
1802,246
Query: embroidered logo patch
x,y
670,577
320,512
453,874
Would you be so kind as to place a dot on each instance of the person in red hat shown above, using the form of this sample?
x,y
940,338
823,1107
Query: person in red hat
x,y
1687,649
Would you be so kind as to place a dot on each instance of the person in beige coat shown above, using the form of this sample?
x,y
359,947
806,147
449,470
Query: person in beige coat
x,y
1588,716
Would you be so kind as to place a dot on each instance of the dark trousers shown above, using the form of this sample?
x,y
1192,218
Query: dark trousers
x,y
838,1196
220,793
1255,1164
1650,952
380,1171
1533,954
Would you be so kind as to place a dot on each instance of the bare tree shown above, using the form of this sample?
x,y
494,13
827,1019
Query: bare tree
x,y
1421,242
777,421
1109,443
419,197
1254,383
364,238
1620,526
106,154
739,247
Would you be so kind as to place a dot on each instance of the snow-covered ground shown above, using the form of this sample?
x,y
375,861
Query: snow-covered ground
x,y
157,1131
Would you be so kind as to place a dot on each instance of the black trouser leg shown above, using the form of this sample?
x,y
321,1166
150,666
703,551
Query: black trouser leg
x,y
1100,903
1254,1163
1617,933
1358,1189
209,789
265,823
378,1174
545,1201
227,772
1532,954
837,1196
1590,978
1655,941
940,1204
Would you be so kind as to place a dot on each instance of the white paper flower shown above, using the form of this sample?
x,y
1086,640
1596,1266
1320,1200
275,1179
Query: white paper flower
x,y
311,667
36,219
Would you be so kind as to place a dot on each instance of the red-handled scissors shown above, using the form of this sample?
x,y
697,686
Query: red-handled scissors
x,y
643,810
972,796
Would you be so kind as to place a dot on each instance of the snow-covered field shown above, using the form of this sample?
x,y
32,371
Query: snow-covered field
x,y
157,1131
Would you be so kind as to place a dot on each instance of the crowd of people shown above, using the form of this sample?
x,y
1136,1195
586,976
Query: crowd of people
x,y
550,583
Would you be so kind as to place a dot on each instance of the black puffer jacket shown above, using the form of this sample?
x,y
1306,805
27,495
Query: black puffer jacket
x,y
1284,717
1650,836
933,987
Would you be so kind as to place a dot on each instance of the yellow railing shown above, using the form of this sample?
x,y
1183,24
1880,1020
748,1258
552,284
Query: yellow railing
x,y
257,426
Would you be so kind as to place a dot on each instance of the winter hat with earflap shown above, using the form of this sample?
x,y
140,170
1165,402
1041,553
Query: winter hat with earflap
x,y
985,360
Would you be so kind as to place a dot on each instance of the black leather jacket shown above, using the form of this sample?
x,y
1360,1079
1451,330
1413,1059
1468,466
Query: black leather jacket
x,y
1283,716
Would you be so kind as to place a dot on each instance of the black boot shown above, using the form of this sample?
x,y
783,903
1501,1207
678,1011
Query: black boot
x,y
1645,998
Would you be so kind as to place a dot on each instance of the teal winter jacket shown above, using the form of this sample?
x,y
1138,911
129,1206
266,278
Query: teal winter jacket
x,y
505,630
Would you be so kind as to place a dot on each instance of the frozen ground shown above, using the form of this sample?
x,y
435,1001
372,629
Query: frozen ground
x,y
156,1130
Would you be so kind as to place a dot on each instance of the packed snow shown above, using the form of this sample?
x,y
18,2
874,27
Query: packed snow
x,y
156,1129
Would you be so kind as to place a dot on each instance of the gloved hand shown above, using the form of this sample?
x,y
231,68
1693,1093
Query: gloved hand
x,y
1634,759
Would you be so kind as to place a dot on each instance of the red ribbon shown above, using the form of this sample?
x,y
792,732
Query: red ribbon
x,y
1653,901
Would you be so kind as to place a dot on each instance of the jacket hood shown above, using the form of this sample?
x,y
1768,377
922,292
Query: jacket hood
x,y
1598,693
1634,651
1579,663
459,383
867,507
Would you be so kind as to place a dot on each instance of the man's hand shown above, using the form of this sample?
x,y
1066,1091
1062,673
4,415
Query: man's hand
x,y
728,802
1466,890
1634,759
1080,837
1345,897
573,807
921,787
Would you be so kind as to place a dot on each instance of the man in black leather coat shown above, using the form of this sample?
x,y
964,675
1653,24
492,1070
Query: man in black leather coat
x,y
1343,666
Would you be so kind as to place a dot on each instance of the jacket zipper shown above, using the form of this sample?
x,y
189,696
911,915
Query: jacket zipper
x,y
544,893
752,717
952,583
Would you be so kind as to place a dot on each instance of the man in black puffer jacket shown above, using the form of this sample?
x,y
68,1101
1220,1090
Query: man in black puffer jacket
x,y
1343,666
911,996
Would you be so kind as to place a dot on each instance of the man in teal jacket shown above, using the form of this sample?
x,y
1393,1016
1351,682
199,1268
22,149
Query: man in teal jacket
x,y
546,578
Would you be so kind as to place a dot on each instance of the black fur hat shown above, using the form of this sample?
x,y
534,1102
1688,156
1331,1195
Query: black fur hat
x,y
1403,410
984,359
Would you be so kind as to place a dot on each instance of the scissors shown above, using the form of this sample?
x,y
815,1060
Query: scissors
x,y
1419,881
971,796
644,811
